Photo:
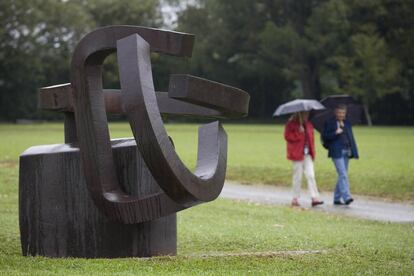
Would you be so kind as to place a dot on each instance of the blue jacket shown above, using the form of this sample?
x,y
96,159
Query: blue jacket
x,y
333,140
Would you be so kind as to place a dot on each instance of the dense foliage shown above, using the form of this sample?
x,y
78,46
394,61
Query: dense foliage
x,y
277,50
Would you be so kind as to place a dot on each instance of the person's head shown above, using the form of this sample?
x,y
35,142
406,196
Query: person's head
x,y
305,115
300,116
340,112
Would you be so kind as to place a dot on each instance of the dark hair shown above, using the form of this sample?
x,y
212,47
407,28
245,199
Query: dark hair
x,y
341,106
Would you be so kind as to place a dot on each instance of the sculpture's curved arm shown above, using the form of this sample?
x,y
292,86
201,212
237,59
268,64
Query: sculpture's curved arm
x,y
92,125
140,104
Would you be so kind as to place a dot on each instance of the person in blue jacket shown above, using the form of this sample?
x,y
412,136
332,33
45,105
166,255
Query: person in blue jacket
x,y
338,138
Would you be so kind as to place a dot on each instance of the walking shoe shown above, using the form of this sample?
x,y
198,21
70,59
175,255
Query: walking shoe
x,y
338,203
316,202
349,201
295,203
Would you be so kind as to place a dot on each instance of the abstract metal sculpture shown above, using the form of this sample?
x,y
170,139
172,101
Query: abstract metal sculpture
x,y
97,197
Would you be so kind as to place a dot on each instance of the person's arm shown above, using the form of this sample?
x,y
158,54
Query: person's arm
x,y
352,139
349,130
311,137
292,133
329,131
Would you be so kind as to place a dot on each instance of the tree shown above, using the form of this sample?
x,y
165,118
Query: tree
x,y
122,12
398,31
369,72
36,38
227,46
365,66
274,49
310,33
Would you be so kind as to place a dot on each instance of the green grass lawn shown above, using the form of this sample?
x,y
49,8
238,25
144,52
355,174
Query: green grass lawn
x,y
349,246
256,154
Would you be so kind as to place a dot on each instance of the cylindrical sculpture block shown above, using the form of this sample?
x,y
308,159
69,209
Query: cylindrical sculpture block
x,y
59,219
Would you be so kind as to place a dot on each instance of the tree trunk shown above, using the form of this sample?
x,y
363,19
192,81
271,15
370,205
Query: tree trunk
x,y
262,102
306,89
367,115
311,86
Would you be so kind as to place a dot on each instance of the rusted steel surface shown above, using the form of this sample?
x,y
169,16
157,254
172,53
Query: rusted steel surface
x,y
59,219
180,100
168,184
133,48
231,101
56,98
141,107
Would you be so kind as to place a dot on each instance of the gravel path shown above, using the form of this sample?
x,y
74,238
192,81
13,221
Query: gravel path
x,y
362,207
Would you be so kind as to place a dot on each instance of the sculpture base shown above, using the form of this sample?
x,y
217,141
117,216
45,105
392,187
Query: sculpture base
x,y
59,219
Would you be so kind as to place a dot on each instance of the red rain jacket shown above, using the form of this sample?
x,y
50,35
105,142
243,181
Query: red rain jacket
x,y
296,140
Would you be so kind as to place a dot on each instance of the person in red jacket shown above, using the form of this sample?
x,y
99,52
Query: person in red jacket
x,y
301,151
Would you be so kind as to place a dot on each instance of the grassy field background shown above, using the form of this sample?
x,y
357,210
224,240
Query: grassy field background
x,y
211,236
257,154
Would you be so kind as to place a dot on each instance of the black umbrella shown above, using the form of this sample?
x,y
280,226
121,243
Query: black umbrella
x,y
335,100
354,114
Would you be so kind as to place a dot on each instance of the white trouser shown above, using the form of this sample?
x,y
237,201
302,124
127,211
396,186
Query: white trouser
x,y
304,167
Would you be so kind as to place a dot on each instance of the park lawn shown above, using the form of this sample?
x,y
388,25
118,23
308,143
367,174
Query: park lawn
x,y
347,245
257,154
211,235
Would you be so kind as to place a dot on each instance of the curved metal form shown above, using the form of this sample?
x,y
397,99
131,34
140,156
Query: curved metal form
x,y
139,101
59,98
92,126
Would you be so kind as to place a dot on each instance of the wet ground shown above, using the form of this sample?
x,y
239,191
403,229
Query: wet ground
x,y
362,207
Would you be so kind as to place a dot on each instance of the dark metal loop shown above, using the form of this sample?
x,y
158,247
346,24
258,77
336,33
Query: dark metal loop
x,y
92,125
139,102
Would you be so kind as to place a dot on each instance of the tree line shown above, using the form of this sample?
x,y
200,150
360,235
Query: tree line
x,y
277,50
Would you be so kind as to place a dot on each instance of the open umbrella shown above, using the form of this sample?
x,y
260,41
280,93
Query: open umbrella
x,y
354,112
298,106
